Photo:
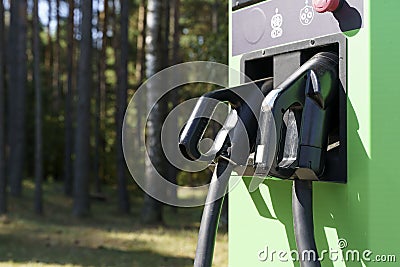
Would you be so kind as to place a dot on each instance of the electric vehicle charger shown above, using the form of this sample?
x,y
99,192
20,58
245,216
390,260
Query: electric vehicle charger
x,y
242,121
310,93
328,134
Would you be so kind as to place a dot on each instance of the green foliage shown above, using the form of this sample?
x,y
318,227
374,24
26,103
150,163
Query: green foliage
x,y
202,40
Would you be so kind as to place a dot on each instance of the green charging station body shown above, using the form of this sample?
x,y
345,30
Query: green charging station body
x,y
355,205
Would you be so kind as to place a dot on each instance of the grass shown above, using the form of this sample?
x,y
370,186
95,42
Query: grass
x,y
106,238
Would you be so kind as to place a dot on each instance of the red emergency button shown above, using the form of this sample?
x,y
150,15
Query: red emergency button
x,y
322,6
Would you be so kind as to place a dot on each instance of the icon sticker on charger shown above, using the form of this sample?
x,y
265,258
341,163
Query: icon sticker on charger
x,y
306,14
276,24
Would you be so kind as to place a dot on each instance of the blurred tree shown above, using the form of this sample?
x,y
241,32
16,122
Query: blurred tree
x,y
102,90
173,34
38,111
50,51
140,73
3,181
68,128
100,85
123,197
176,35
16,96
214,16
140,56
155,57
57,85
82,132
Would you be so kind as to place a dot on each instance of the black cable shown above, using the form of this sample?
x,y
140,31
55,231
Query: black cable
x,y
303,223
211,213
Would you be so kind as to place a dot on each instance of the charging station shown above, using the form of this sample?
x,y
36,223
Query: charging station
x,y
309,146
356,193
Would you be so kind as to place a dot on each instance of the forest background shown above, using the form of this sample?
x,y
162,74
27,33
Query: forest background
x,y
67,72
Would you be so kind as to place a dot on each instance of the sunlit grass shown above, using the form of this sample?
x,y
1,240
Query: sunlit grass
x,y
104,239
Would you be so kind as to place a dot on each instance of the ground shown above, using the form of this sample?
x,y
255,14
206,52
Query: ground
x,y
106,238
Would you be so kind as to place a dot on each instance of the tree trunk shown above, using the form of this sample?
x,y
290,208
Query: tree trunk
x,y
140,58
97,109
165,28
123,197
100,144
140,65
82,137
152,209
68,178
173,96
176,33
50,52
16,96
3,182
38,111
214,16
57,86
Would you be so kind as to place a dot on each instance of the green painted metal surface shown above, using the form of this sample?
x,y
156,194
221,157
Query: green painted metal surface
x,y
363,212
